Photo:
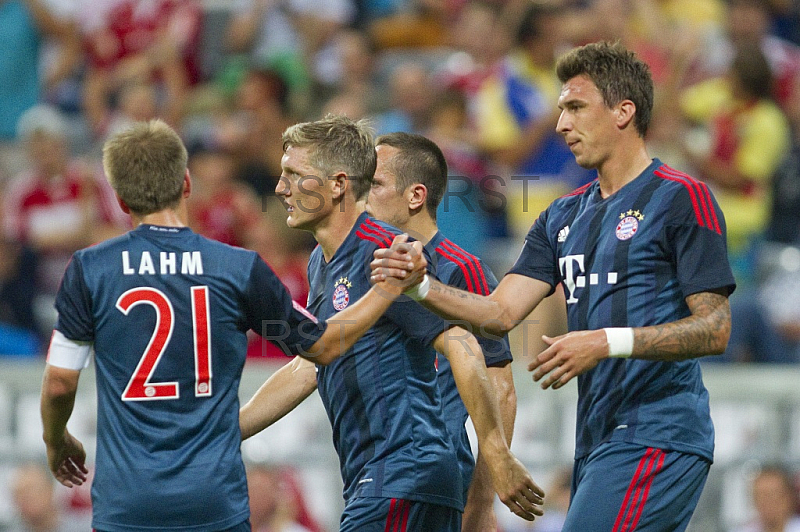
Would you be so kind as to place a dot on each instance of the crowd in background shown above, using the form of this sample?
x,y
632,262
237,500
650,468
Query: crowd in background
x,y
476,76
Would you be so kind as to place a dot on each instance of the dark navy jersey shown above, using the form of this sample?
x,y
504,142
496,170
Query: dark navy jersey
x,y
630,260
381,396
167,311
455,267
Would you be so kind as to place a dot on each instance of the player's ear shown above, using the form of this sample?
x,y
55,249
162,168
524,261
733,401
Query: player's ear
x,y
416,195
338,183
122,204
187,184
624,113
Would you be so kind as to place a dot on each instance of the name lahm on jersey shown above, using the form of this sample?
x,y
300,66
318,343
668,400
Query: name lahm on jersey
x,y
165,263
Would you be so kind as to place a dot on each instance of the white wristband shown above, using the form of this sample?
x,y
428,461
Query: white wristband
x,y
620,341
418,292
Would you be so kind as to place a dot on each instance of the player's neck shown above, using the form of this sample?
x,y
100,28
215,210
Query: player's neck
x,y
625,165
165,218
420,227
332,232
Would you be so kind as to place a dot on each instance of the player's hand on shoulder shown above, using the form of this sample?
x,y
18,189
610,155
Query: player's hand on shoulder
x,y
568,356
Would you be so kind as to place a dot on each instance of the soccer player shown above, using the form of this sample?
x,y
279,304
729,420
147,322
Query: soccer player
x,y
642,257
166,312
397,460
409,182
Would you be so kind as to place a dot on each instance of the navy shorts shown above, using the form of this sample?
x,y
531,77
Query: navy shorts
x,y
375,514
623,487
244,526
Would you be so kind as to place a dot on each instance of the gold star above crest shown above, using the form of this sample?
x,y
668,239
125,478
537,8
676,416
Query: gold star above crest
x,y
630,212
639,216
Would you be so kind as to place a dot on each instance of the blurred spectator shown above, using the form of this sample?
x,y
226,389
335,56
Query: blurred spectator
x,y
60,204
276,501
137,101
480,39
19,334
748,22
37,509
766,323
252,130
24,26
775,501
286,252
132,41
408,24
467,213
221,208
784,220
291,37
411,94
517,106
355,79
62,57
749,135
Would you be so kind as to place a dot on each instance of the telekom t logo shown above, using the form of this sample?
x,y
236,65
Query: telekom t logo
x,y
572,271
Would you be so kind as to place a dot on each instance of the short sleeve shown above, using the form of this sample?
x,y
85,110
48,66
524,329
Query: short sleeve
x,y
538,256
496,349
74,305
697,241
270,311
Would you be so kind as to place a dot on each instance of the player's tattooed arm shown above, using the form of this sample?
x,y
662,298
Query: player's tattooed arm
x,y
705,332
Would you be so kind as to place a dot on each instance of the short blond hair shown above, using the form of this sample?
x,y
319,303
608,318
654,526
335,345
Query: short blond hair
x,y
145,164
338,144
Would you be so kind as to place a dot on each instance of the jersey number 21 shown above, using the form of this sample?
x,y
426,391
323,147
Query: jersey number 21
x,y
139,387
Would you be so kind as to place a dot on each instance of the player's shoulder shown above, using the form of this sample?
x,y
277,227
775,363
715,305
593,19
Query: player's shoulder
x,y
570,199
676,181
370,231
689,197
457,267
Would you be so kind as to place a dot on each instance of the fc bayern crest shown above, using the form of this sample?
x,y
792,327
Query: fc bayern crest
x,y
628,224
341,294
627,227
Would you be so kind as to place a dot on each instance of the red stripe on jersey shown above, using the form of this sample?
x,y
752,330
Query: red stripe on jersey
x,y
377,229
697,213
660,457
705,200
380,235
474,266
713,210
374,239
695,187
635,480
580,190
461,265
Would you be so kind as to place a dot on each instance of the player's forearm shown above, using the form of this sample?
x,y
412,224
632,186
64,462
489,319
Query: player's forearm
x,y
279,395
481,493
705,332
59,387
476,390
483,315
350,324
